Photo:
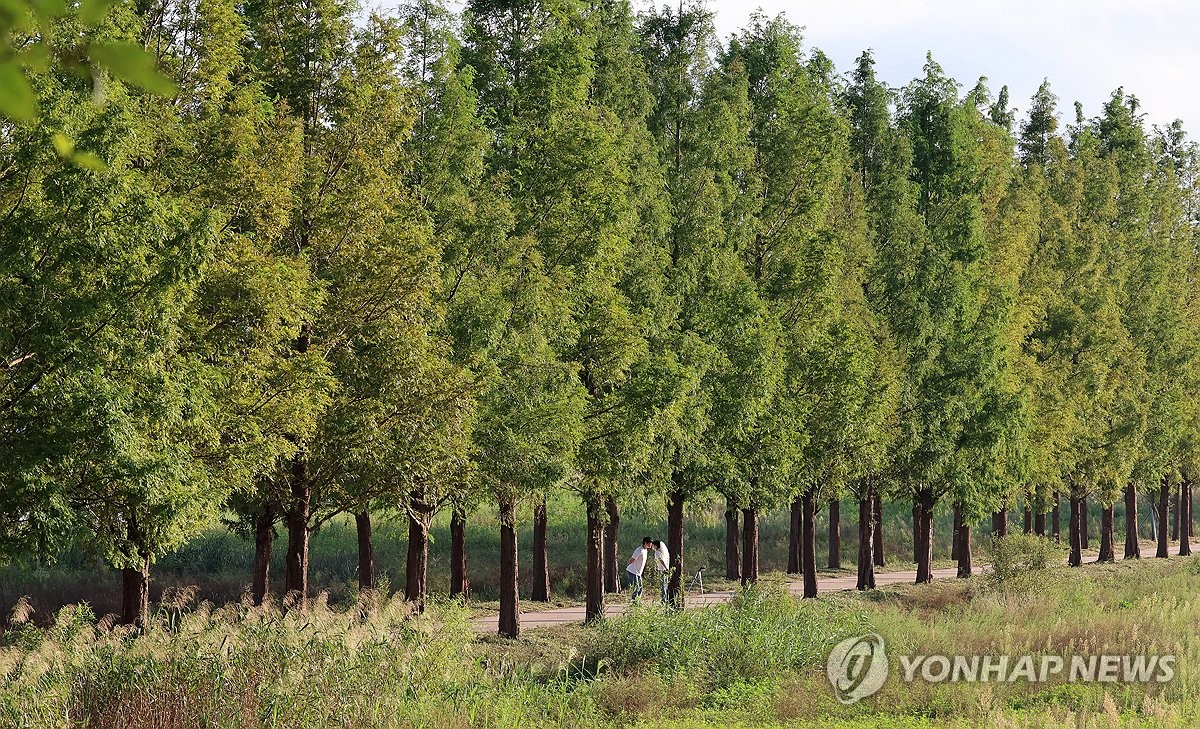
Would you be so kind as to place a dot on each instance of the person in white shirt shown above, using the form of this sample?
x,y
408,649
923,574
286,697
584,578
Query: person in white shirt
x,y
634,568
662,560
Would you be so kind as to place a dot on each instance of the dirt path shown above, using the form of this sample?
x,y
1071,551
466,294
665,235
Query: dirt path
x,y
575,614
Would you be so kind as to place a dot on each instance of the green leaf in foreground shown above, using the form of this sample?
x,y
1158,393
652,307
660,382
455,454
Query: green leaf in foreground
x,y
134,65
16,98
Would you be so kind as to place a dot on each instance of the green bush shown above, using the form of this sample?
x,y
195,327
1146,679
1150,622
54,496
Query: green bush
x,y
1018,561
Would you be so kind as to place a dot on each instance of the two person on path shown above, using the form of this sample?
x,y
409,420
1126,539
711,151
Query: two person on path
x,y
637,565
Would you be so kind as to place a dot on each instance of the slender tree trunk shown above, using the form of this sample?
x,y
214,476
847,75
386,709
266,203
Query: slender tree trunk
x,y
1000,523
264,534
366,551
808,535
749,545
866,534
956,523
1185,517
1107,552
1028,525
295,575
416,573
1164,514
459,585
612,550
541,556
964,546
877,538
916,528
795,543
1083,523
135,593
733,562
1133,550
1076,555
835,534
1055,527
510,601
1039,523
675,502
595,560
925,503
1175,517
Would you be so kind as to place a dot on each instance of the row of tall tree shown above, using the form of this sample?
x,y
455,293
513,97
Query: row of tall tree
x,y
426,260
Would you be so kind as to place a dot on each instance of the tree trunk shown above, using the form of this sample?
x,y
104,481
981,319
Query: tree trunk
x,y
749,545
964,545
1028,525
416,573
510,601
264,534
1164,513
1039,523
366,551
916,530
1055,527
595,560
459,585
1185,517
1000,523
835,534
675,543
925,503
1133,550
1083,523
877,538
295,575
541,555
808,535
1107,552
1076,557
135,593
956,525
795,544
612,550
733,563
866,533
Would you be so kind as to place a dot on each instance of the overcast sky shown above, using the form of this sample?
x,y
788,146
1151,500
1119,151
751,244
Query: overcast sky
x,y
1086,48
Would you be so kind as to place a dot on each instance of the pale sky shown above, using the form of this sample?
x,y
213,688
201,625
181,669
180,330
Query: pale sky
x,y
1086,48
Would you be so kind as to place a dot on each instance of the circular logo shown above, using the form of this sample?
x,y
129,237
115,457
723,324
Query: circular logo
x,y
857,667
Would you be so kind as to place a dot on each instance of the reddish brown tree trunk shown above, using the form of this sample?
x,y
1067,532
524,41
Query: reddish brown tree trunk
x,y
835,534
595,561
866,534
925,502
749,545
964,545
295,574
1028,522
416,575
877,538
795,543
808,534
541,554
733,562
1076,555
1107,551
916,530
1039,523
612,550
135,593
1133,550
264,534
366,551
460,586
1185,517
1083,523
956,526
1164,513
510,601
675,542
1000,523
1175,518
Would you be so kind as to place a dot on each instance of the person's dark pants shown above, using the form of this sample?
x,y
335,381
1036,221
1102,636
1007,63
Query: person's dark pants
x,y
634,584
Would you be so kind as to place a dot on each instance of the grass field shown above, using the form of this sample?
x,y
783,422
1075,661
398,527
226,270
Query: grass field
x,y
757,661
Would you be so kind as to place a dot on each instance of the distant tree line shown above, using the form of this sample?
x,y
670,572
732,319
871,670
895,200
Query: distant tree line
x,y
424,261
